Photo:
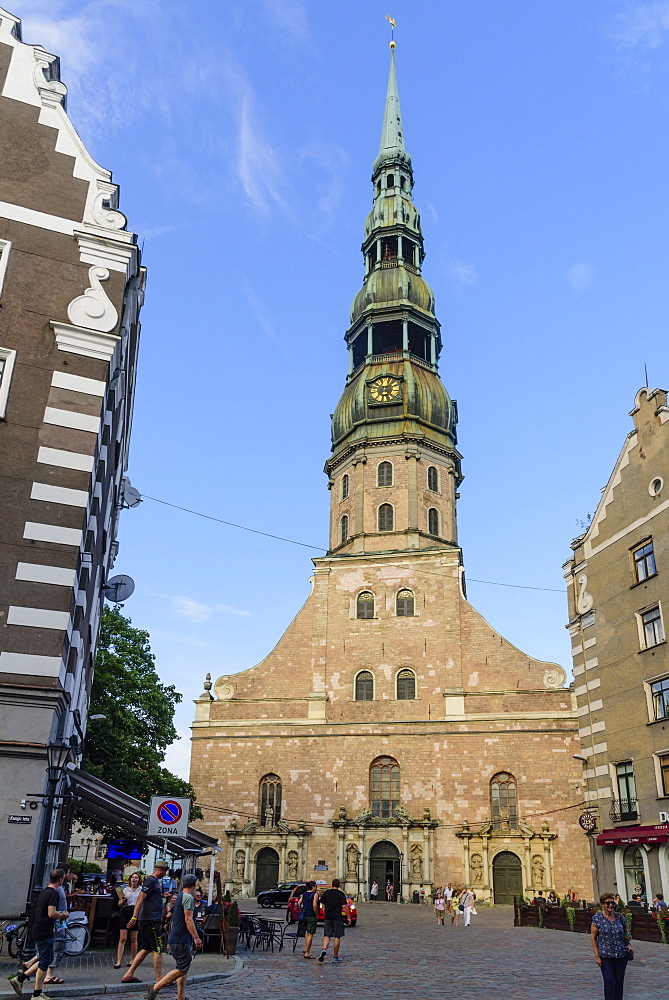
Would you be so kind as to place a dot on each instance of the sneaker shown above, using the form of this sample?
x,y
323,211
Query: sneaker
x,y
150,993
16,984
41,996
321,957
337,959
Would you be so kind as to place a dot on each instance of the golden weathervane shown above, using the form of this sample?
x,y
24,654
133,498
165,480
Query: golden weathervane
x,y
393,25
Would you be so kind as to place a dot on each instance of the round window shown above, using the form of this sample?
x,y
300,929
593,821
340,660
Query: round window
x,y
655,487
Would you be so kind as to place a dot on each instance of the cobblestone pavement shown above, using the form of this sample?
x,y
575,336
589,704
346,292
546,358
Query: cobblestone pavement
x,y
397,952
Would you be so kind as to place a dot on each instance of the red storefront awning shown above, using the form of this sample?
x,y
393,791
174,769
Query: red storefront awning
x,y
634,835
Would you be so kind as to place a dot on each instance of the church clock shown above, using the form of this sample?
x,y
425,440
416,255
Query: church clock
x,y
385,389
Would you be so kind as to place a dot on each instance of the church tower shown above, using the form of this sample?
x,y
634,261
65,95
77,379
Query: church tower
x,y
395,469
392,733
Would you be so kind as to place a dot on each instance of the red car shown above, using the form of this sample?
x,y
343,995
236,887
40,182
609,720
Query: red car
x,y
349,912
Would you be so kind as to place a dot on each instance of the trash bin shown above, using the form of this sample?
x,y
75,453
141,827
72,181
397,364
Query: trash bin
x,y
416,896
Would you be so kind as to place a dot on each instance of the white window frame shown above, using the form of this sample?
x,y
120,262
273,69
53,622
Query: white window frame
x,y
9,358
640,626
661,794
648,690
5,247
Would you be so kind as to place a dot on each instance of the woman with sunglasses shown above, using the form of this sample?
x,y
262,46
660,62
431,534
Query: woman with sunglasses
x,y
610,943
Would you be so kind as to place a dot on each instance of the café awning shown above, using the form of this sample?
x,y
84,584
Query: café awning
x,y
103,802
634,835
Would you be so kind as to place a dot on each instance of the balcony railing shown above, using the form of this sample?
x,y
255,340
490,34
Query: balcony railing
x,y
623,810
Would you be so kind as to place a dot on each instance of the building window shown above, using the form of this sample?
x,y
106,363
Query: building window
x,y
433,479
5,247
635,876
384,474
663,760
404,604
433,521
100,850
660,694
503,802
270,800
406,685
7,359
384,787
344,529
652,632
344,486
365,605
386,517
644,561
626,791
364,686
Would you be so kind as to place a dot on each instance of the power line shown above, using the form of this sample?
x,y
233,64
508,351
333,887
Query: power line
x,y
321,548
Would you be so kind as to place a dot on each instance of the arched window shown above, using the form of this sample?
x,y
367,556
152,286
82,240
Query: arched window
x,y
364,686
406,685
386,517
404,604
344,486
365,605
503,802
384,787
270,800
433,521
384,474
344,528
433,479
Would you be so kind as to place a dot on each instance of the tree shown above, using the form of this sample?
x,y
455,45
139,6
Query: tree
x,y
128,749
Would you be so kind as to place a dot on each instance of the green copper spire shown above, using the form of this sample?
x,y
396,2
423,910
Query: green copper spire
x,y
392,133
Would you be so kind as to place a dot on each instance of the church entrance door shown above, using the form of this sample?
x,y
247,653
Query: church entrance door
x,y
507,877
267,869
384,865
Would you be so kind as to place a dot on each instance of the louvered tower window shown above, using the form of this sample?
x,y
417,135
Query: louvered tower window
x,y
386,517
405,604
365,605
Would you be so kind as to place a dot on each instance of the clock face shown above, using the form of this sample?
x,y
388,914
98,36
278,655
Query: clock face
x,y
385,390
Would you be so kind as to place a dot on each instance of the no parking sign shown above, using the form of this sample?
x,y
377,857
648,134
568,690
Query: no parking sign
x,y
168,817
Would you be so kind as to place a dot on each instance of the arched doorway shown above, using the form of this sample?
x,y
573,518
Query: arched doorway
x,y
267,869
384,864
507,877
635,876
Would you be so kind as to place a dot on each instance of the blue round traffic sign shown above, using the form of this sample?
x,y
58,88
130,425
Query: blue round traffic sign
x,y
169,812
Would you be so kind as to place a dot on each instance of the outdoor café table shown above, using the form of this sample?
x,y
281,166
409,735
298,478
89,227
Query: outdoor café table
x,y
275,928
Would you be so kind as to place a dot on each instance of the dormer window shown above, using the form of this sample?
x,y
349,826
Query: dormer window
x,y
390,180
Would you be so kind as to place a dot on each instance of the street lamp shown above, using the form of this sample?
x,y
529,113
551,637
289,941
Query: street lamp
x,y
57,755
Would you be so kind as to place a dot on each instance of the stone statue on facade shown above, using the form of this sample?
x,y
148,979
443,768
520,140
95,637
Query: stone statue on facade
x,y
402,815
363,816
476,868
352,856
240,858
416,863
292,863
342,812
538,871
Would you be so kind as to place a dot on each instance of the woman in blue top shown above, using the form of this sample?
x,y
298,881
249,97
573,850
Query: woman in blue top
x,y
611,946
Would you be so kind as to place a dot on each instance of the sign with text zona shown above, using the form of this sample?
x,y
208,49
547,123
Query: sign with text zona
x,y
168,817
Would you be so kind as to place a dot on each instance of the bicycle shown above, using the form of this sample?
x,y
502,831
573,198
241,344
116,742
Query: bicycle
x,y
77,939
16,937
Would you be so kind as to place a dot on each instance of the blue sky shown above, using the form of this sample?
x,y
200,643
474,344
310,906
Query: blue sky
x,y
242,134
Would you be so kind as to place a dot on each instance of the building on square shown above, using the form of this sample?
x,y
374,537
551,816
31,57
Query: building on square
x,y
71,287
392,734
618,597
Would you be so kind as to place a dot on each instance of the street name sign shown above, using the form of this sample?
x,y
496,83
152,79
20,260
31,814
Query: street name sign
x,y
168,817
19,818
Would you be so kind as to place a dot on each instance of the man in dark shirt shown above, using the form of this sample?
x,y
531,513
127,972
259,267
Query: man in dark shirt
x,y
46,914
148,919
334,902
183,936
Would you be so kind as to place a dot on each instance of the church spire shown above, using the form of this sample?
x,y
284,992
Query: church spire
x,y
392,133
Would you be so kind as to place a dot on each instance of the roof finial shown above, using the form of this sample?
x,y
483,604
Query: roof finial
x,y
393,25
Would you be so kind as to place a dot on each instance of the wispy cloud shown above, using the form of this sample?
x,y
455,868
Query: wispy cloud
x,y
258,309
580,274
290,17
460,273
195,611
641,25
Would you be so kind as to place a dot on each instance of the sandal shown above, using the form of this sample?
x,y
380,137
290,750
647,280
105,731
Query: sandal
x,y
118,966
54,982
309,956
133,980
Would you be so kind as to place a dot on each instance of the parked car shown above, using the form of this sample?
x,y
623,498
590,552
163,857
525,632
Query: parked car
x,y
278,896
349,913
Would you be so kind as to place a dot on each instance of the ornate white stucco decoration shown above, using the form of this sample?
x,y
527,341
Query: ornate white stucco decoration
x,y
47,72
94,310
554,678
585,600
104,210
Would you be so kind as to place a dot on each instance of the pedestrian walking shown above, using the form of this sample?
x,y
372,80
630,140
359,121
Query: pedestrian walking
x,y
466,903
334,903
610,943
309,914
46,914
456,907
183,936
448,896
147,917
130,894
440,907
389,891
374,891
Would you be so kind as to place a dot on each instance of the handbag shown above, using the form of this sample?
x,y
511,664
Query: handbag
x,y
630,954
461,908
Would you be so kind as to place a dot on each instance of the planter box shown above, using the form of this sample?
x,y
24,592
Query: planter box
x,y
644,925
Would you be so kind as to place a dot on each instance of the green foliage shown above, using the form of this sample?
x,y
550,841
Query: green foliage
x,y
628,922
128,749
227,898
661,923
233,915
571,916
78,865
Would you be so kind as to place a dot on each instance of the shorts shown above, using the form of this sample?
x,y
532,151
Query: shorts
x,y
150,935
45,952
182,953
310,924
333,928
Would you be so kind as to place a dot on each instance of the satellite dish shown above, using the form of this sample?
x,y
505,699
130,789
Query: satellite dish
x,y
131,496
119,589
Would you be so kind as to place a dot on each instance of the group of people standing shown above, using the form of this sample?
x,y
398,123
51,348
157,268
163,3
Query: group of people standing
x,y
456,902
